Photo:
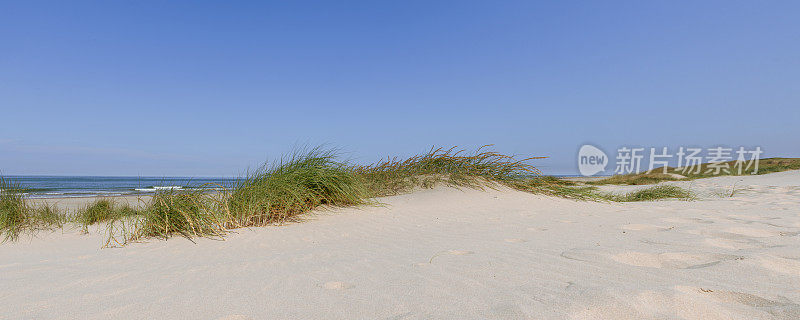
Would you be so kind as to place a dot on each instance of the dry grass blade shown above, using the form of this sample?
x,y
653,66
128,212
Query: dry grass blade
x,y
17,215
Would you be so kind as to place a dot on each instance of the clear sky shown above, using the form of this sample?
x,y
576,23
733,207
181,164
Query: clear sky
x,y
204,88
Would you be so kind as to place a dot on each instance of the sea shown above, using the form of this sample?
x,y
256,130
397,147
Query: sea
x,y
93,186
97,186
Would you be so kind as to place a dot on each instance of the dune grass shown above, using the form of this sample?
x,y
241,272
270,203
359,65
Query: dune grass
x,y
13,210
18,216
187,213
102,210
304,181
299,183
557,187
444,166
637,179
296,184
704,170
659,192
571,190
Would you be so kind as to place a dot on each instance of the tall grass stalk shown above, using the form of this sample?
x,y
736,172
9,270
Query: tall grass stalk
x,y
17,215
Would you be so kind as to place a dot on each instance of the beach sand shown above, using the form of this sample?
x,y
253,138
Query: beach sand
x,y
76,203
443,253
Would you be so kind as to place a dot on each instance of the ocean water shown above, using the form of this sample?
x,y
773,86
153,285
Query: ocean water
x,y
77,186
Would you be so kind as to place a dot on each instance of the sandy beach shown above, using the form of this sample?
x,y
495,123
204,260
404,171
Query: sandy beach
x,y
77,203
443,253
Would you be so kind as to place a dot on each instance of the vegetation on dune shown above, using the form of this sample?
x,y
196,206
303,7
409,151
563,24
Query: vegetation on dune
x,y
653,193
306,180
188,213
102,210
18,216
705,170
293,186
637,179
571,190
444,166
557,187
12,210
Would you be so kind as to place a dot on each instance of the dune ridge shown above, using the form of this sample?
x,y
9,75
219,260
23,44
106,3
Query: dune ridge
x,y
443,253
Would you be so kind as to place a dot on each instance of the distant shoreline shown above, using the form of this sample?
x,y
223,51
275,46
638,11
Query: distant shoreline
x,y
57,187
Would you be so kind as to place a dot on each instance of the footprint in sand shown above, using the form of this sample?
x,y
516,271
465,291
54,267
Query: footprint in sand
x,y
459,252
780,264
734,244
686,220
582,254
644,227
336,285
442,253
235,317
783,309
743,235
670,260
753,232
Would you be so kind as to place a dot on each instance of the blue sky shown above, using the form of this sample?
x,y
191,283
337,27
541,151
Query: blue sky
x,y
203,88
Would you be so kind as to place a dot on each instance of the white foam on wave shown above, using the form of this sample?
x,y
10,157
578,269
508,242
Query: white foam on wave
x,y
73,195
159,188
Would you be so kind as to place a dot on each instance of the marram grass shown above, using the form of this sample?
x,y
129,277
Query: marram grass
x,y
658,192
103,210
448,166
294,185
18,216
304,181
188,213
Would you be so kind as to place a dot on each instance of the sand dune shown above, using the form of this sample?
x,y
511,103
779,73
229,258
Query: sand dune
x,y
444,253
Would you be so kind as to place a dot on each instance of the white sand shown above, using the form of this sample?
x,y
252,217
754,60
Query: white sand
x,y
76,203
443,253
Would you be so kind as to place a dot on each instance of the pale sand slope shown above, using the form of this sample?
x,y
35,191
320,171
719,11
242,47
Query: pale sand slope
x,y
442,253
72,204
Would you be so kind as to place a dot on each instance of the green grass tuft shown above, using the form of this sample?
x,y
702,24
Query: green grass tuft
x,y
13,210
18,216
444,166
636,179
103,210
188,213
294,186
659,192
557,187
